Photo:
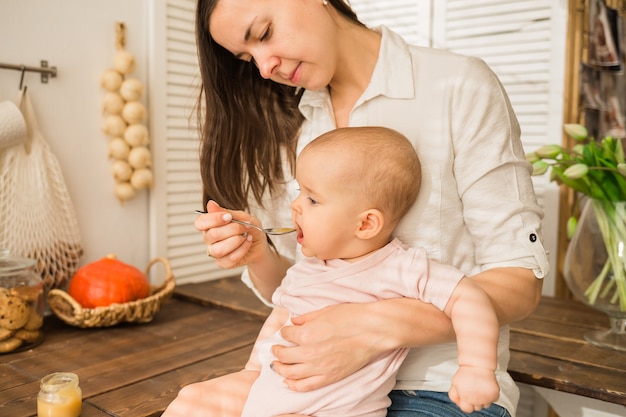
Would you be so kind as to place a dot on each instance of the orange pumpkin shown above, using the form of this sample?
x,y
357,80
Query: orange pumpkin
x,y
108,281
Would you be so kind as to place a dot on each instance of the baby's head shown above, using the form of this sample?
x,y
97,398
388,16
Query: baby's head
x,y
357,170
376,165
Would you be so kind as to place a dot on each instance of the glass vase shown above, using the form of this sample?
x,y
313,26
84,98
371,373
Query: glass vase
x,y
595,267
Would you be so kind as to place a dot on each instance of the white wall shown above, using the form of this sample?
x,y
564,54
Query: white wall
x,y
78,37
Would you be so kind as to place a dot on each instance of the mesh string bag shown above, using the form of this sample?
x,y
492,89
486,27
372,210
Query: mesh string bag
x,y
37,217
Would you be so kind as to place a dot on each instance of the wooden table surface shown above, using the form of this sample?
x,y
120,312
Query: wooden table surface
x,y
548,350
208,329
131,370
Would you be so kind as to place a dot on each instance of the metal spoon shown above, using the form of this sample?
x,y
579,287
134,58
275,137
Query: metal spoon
x,y
269,231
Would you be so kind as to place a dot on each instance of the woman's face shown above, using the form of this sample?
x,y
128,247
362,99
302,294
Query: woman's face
x,y
290,41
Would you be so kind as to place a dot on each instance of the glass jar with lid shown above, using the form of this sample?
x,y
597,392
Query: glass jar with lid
x,y
21,303
59,396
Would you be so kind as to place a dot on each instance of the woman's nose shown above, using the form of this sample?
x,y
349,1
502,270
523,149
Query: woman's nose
x,y
267,65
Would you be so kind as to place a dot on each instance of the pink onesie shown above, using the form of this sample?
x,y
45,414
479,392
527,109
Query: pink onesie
x,y
391,272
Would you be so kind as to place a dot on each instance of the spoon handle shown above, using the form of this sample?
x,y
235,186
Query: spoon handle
x,y
248,224
237,221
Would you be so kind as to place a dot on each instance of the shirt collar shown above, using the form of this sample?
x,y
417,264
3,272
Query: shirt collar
x,y
392,77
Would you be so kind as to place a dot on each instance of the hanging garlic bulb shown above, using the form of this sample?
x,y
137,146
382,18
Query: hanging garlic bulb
x,y
140,157
118,149
114,125
124,62
111,80
141,179
131,89
134,112
136,135
124,191
122,171
112,103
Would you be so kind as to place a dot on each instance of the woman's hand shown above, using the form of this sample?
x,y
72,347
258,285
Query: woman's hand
x,y
231,244
326,348
336,341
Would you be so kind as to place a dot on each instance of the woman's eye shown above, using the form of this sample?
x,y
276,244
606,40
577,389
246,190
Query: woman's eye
x,y
265,34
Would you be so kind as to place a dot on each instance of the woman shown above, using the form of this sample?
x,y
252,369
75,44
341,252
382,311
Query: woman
x,y
278,73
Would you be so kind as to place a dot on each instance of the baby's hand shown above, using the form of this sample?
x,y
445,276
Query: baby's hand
x,y
474,388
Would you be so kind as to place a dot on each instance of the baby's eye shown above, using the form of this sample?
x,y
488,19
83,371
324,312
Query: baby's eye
x,y
312,201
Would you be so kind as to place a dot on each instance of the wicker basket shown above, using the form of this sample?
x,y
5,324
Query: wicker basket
x,y
140,311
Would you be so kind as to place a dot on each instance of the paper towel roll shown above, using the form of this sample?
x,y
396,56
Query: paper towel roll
x,y
12,125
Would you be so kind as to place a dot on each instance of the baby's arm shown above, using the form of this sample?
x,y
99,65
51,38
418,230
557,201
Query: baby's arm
x,y
277,318
474,386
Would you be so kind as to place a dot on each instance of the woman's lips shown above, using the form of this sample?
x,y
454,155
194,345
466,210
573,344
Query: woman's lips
x,y
295,76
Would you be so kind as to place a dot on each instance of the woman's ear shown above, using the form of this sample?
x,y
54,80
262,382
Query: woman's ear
x,y
371,223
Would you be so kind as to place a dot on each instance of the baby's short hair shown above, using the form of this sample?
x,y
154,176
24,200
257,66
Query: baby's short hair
x,y
380,162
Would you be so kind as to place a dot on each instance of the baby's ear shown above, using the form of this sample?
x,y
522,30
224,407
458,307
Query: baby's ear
x,y
371,223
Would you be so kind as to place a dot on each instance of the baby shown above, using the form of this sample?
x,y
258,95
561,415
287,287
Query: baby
x,y
355,186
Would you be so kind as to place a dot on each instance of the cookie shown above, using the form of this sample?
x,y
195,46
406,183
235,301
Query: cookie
x,y
27,335
10,344
5,333
35,321
14,312
4,294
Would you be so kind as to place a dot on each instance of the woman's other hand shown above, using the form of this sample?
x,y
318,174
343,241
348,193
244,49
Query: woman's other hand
x,y
338,340
328,348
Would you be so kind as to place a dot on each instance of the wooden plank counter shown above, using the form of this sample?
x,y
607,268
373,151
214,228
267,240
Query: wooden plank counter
x,y
548,350
131,370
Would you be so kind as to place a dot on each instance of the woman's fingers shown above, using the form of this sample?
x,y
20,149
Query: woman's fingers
x,y
230,244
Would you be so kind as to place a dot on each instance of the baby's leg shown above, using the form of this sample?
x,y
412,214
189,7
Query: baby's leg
x,y
220,397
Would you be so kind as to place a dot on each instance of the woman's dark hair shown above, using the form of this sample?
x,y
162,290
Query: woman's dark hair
x,y
248,124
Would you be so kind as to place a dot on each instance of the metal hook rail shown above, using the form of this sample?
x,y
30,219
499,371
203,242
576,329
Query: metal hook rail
x,y
45,71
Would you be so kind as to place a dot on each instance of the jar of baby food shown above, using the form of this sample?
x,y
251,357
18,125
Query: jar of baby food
x,y
21,303
59,396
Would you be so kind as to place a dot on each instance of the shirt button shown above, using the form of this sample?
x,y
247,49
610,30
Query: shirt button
x,y
533,237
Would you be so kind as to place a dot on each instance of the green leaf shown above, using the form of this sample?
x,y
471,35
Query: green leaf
x,y
619,152
601,187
